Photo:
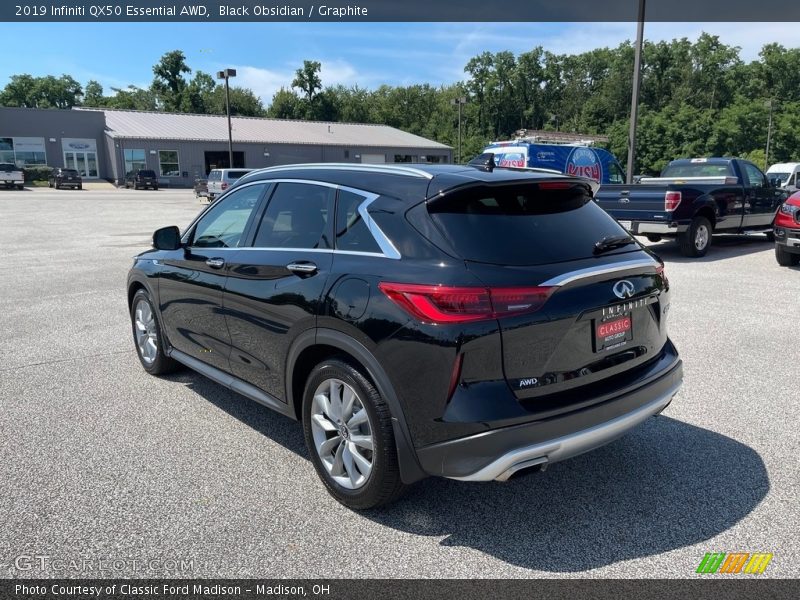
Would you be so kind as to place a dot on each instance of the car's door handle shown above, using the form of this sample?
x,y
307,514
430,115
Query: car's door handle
x,y
304,268
216,263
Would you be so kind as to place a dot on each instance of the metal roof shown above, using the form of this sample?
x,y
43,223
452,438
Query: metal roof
x,y
131,124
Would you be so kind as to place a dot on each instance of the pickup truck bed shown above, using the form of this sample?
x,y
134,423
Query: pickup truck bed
x,y
697,198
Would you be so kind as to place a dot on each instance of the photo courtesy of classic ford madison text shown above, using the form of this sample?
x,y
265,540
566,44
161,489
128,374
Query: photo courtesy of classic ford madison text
x,y
388,303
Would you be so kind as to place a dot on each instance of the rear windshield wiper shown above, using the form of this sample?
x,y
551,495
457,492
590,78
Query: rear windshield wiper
x,y
609,243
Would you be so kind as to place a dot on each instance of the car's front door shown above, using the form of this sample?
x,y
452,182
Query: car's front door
x,y
761,199
273,289
193,278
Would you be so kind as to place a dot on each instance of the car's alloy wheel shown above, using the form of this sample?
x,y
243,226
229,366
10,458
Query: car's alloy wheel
x,y
701,237
350,436
148,337
146,334
342,433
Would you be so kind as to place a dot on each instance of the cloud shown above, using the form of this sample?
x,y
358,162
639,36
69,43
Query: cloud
x,y
265,82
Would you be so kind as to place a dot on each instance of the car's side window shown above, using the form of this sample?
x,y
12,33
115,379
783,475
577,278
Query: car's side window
x,y
615,174
755,177
223,225
352,232
297,216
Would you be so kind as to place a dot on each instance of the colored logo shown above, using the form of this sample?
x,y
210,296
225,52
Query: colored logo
x,y
734,562
511,159
584,162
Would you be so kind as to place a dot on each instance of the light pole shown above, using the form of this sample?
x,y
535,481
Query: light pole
x,y
771,104
459,102
637,74
227,74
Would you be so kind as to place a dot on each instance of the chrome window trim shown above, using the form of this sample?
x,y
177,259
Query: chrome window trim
x,y
386,168
571,276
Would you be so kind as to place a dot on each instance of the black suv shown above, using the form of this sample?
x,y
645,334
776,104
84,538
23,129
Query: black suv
x,y
143,178
419,320
60,177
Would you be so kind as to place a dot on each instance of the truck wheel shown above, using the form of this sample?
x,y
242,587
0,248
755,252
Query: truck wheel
x,y
653,237
20,187
695,242
786,258
770,236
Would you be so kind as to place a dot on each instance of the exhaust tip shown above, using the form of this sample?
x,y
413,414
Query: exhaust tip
x,y
525,467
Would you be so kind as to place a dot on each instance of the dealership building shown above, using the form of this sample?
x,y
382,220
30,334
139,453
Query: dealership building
x,y
106,143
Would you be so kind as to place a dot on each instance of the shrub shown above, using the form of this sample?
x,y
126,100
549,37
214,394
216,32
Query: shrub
x,y
37,172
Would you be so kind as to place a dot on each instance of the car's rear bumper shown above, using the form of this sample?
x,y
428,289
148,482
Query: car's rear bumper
x,y
657,228
499,453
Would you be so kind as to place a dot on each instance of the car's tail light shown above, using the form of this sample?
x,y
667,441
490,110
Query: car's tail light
x,y
661,273
671,201
449,304
224,186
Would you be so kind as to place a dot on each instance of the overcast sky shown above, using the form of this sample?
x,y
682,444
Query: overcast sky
x,y
367,54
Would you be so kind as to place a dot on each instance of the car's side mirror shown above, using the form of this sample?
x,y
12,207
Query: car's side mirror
x,y
167,238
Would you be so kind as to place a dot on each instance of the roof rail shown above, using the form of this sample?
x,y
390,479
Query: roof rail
x,y
377,168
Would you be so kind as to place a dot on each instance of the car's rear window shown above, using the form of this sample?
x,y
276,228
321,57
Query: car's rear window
x,y
7,167
522,224
147,173
69,172
699,169
236,174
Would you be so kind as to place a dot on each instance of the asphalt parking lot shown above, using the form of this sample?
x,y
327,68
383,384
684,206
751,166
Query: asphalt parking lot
x,y
102,461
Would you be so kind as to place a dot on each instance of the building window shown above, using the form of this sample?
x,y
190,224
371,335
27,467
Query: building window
x,y
403,158
168,163
135,160
23,151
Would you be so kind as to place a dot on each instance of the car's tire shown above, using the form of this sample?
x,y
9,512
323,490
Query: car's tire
x,y
49,184
20,187
653,237
697,239
155,188
148,337
80,187
357,476
786,258
770,235
136,186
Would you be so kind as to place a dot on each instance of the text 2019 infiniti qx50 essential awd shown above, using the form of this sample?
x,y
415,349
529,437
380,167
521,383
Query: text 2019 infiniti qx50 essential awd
x,y
465,322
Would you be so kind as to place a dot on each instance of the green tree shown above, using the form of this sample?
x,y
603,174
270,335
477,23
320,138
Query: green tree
x,y
169,85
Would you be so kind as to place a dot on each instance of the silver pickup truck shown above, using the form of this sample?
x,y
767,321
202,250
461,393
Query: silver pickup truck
x,y
11,176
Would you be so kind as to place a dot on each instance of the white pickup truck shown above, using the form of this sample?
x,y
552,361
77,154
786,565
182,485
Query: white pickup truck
x,y
11,176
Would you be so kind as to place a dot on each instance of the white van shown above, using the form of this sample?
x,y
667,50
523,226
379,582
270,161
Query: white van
x,y
220,180
788,174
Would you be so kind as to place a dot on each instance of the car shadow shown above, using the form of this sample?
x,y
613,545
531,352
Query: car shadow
x,y
664,486
723,246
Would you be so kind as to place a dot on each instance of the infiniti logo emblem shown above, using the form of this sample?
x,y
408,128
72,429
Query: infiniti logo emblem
x,y
623,289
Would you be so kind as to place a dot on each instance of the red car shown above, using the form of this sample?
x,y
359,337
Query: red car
x,y
787,232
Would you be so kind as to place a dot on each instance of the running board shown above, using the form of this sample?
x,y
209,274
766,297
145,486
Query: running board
x,y
235,384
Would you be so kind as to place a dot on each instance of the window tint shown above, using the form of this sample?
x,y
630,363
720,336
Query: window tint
x,y
351,230
215,175
615,174
236,174
522,225
147,173
296,217
755,178
699,169
223,225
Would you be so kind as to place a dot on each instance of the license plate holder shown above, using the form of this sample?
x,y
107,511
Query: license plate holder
x,y
612,333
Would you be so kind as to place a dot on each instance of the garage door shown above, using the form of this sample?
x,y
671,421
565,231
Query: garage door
x,y
373,159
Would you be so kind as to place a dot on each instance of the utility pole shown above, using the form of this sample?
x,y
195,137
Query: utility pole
x,y
227,74
771,105
637,75
460,102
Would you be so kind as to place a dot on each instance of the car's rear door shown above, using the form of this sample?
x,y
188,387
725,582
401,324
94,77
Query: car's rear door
x,y
761,199
274,286
193,278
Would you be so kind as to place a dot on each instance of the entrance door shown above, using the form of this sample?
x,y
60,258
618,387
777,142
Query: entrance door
x,y
83,162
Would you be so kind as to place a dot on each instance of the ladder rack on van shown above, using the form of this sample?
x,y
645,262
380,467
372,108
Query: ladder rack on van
x,y
523,136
